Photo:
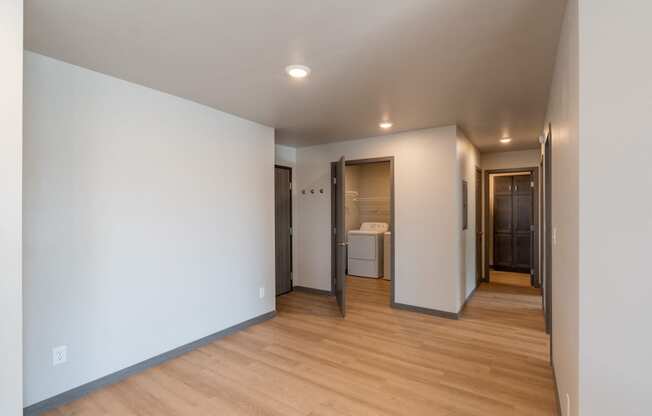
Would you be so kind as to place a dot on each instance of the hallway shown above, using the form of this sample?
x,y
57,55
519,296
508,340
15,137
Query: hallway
x,y
381,361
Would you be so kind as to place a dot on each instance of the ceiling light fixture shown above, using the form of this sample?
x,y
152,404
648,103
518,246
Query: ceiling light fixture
x,y
505,140
297,71
386,125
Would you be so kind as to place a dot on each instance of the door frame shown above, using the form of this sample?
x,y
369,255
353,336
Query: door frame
x,y
547,221
479,228
534,171
392,225
291,230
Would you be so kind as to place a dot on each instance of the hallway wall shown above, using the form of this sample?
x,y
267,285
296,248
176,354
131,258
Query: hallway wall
x,y
509,160
11,147
428,213
563,113
615,207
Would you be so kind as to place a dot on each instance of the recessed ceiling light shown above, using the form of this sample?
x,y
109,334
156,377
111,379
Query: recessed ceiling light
x,y
386,125
505,140
298,71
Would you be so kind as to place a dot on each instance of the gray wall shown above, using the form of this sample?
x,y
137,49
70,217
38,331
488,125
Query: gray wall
x,y
563,114
11,72
615,207
149,223
428,213
468,159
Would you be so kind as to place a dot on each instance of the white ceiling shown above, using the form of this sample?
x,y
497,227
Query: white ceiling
x,y
483,64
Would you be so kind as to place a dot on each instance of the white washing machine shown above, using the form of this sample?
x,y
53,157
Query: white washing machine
x,y
365,254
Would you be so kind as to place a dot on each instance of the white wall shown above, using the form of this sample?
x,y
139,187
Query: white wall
x,y
11,92
149,223
563,113
285,155
468,160
509,160
427,213
615,177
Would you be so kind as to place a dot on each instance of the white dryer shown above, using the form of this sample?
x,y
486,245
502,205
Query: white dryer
x,y
365,254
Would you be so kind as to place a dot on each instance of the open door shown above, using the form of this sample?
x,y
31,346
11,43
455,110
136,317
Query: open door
x,y
340,236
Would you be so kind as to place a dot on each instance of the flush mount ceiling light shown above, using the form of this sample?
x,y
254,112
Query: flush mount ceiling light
x,y
506,140
297,71
386,125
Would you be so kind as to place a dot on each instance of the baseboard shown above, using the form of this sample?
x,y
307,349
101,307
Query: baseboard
x,y
468,298
77,392
427,311
312,290
557,399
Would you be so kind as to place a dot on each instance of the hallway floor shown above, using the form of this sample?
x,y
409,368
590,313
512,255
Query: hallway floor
x,y
510,278
377,361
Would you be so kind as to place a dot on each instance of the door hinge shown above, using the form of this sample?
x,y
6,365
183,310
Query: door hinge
x,y
334,231
334,181
532,184
290,186
290,230
531,227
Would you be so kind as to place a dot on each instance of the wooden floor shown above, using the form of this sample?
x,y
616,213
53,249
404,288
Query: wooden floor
x,y
377,361
510,278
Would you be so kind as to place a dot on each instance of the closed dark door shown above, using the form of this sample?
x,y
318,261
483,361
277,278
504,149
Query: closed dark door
x,y
513,219
283,214
523,220
503,216
478,226
340,236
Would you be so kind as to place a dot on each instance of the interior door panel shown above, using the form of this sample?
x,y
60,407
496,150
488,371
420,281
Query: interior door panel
x,y
513,220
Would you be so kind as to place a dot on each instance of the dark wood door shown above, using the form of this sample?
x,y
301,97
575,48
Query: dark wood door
x,y
503,215
340,236
513,220
283,221
478,226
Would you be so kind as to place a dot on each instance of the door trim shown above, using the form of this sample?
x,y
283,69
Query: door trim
x,y
547,281
534,171
277,166
392,224
479,228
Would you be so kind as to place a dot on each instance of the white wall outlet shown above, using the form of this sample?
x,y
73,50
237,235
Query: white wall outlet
x,y
568,405
261,292
59,355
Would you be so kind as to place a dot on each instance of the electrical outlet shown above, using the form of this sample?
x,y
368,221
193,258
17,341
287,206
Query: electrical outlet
x,y
59,355
261,292
567,404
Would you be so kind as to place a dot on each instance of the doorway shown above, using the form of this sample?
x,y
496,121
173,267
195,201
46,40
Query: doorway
x,y
283,228
362,217
511,243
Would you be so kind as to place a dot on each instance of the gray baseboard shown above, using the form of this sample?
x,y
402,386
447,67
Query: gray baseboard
x,y
468,298
427,311
557,398
76,393
311,290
